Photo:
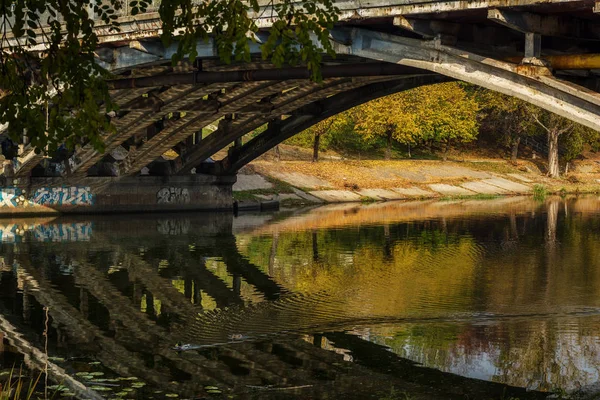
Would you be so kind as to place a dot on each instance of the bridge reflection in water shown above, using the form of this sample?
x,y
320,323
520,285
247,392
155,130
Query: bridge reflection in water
x,y
274,303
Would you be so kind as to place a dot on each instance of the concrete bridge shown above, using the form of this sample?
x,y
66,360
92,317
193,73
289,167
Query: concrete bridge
x,y
172,119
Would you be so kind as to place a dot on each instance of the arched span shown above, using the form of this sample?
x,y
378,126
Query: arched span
x,y
284,104
311,114
528,83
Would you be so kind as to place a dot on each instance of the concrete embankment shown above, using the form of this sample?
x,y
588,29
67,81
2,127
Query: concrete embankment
x,y
360,181
39,196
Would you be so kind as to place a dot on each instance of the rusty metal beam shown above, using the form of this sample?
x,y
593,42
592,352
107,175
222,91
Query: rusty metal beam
x,y
547,25
567,61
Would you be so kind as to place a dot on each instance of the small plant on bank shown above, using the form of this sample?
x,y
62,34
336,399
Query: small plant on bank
x,y
540,192
562,192
15,389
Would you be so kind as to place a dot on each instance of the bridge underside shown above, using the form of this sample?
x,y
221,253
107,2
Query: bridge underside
x,y
172,119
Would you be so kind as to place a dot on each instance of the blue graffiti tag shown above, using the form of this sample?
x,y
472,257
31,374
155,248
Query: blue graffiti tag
x,y
61,196
12,197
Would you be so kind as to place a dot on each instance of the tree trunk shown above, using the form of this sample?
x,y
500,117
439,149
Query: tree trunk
x,y
552,223
316,148
409,155
515,149
277,153
446,150
553,170
388,148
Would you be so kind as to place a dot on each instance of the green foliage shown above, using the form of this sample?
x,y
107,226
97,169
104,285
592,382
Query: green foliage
x,y
510,119
540,192
507,117
440,113
447,113
17,387
58,95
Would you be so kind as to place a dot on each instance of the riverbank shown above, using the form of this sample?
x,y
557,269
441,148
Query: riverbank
x,y
333,181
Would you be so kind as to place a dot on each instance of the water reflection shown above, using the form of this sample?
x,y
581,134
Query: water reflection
x,y
308,304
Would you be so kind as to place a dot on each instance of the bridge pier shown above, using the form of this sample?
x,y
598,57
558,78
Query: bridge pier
x,y
37,196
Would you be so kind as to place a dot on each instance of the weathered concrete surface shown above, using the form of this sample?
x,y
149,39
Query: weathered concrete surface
x,y
381,194
336,196
520,177
508,185
251,182
301,180
413,192
483,188
449,190
306,196
113,195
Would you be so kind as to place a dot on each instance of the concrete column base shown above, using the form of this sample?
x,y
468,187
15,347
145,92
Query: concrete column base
x,y
115,195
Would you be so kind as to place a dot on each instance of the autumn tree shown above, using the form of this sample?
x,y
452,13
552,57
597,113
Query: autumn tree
x,y
392,117
337,122
556,127
446,114
512,119
508,117
53,90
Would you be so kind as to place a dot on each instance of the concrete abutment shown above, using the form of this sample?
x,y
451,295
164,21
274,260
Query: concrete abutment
x,y
105,195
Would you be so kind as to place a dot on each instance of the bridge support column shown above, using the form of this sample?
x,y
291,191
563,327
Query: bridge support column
x,y
533,45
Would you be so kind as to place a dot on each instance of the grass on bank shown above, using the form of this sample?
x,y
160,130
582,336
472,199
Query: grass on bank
x,y
479,196
540,192
16,387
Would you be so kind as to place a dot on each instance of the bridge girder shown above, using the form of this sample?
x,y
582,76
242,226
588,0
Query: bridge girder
x,y
527,83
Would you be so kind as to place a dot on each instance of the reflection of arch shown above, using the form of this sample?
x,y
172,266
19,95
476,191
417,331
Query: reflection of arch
x,y
285,362
310,114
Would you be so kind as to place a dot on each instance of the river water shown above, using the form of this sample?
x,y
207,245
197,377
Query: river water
x,y
453,299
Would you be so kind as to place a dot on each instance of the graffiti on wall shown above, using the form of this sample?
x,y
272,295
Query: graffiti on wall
x,y
12,197
64,196
173,195
56,196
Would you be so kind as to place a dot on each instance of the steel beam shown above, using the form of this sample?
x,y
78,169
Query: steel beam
x,y
533,45
231,101
168,101
567,61
547,25
274,74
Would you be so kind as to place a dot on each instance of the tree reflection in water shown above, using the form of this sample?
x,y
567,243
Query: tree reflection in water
x,y
308,306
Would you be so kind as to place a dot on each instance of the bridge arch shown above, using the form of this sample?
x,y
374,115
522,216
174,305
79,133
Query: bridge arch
x,y
533,84
279,130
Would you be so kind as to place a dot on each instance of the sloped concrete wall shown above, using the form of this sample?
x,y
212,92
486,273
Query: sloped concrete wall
x,y
114,195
